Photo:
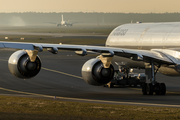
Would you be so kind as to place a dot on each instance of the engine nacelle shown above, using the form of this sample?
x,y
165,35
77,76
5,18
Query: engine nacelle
x,y
171,70
94,73
58,25
20,65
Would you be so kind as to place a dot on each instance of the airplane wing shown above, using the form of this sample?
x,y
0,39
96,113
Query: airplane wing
x,y
51,22
134,54
75,22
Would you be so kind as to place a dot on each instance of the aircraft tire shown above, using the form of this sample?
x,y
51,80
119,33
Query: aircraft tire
x,y
135,85
144,88
162,89
157,89
150,89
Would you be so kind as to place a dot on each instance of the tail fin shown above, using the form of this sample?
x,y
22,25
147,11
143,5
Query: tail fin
x,y
62,17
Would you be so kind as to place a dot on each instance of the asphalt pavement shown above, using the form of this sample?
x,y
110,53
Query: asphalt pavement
x,y
60,78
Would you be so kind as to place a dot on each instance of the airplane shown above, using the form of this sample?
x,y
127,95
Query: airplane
x,y
154,47
63,23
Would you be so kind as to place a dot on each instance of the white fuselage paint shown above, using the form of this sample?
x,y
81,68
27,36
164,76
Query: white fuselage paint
x,y
142,35
161,36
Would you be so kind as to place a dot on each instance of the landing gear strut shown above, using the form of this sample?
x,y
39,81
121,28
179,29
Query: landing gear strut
x,y
153,86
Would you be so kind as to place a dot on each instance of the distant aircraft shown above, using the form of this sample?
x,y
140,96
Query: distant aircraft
x,y
63,23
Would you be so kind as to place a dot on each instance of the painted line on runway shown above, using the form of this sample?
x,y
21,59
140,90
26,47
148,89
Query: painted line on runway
x,y
91,100
55,71
166,91
135,88
86,100
82,78
62,73
139,89
3,60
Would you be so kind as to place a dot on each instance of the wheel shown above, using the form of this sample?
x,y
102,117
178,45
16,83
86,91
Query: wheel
x,y
144,88
162,89
150,89
157,89
135,85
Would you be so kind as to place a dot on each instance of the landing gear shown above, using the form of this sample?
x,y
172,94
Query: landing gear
x,y
110,85
149,89
160,89
153,86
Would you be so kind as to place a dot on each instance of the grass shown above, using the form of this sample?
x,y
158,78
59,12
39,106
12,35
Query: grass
x,y
79,41
57,40
105,30
2,37
31,108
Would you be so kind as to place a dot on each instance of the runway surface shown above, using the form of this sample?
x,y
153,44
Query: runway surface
x,y
60,76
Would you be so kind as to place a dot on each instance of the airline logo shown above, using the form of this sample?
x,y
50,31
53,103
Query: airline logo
x,y
120,32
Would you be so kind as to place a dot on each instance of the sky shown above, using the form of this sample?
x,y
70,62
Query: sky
x,y
125,6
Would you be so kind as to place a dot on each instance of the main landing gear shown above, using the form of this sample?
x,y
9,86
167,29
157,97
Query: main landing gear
x,y
158,88
153,86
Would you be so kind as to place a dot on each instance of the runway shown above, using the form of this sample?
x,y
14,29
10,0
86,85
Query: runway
x,y
60,76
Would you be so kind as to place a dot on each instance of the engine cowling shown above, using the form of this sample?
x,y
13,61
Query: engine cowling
x,y
171,70
20,65
94,73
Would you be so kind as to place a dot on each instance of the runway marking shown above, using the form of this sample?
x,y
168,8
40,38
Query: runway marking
x,y
62,73
92,100
135,88
87,100
56,71
166,91
82,78
139,89
3,60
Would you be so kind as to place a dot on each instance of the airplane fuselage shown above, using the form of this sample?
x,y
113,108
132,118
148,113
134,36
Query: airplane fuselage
x,y
145,35
162,37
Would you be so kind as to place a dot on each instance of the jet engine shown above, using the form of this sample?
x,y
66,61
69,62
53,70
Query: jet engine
x,y
58,25
94,73
171,70
20,65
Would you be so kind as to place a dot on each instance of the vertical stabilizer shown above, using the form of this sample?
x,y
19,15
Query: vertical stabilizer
x,y
62,17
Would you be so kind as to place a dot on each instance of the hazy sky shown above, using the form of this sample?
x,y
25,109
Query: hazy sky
x,y
140,6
